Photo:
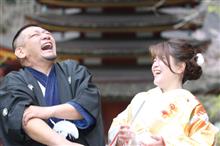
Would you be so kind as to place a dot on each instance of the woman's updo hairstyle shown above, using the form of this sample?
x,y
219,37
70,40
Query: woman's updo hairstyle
x,y
181,51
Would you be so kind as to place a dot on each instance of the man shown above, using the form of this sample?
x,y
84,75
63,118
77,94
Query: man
x,y
46,102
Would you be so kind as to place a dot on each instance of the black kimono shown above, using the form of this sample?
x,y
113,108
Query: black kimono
x,y
20,89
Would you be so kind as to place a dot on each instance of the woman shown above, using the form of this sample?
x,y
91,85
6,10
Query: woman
x,y
167,115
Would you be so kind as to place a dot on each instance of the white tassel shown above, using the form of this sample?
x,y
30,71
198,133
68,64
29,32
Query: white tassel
x,y
65,127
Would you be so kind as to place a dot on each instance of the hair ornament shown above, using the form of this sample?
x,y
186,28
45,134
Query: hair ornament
x,y
200,59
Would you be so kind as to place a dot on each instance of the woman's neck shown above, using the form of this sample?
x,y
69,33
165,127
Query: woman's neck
x,y
172,87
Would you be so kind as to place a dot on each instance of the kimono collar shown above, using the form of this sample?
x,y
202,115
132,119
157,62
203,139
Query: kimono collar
x,y
50,83
41,77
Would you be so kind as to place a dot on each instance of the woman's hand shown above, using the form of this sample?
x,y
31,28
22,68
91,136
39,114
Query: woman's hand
x,y
156,141
125,135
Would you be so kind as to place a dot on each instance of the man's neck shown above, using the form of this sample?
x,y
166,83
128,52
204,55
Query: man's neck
x,y
43,67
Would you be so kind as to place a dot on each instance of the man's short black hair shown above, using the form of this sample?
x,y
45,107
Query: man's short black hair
x,y
19,32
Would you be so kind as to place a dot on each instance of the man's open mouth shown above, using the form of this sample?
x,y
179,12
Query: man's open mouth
x,y
47,46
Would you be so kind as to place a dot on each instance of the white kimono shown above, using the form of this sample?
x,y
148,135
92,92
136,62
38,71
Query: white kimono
x,y
176,115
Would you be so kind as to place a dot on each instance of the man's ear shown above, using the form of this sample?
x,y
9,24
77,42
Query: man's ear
x,y
19,52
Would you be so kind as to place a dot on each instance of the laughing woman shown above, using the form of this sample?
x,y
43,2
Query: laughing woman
x,y
167,115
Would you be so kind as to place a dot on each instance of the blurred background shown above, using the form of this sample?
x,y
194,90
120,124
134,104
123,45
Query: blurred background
x,y
111,37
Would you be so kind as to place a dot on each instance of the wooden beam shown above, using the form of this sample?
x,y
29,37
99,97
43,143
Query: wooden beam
x,y
92,4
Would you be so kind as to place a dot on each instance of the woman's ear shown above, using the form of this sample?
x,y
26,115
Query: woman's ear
x,y
181,67
19,52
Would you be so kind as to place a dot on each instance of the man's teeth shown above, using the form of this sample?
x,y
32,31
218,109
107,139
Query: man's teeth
x,y
47,46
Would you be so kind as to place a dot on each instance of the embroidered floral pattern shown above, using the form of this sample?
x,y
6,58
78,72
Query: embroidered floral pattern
x,y
171,110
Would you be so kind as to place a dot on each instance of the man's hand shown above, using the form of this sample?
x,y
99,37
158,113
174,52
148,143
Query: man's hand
x,y
38,130
62,111
37,112
68,143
